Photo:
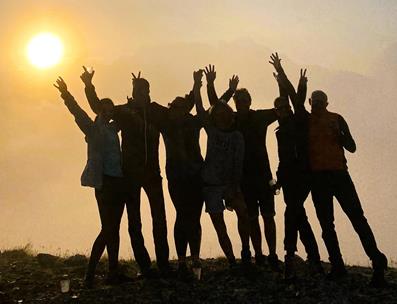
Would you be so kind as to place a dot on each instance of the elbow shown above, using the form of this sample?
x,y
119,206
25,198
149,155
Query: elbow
x,y
351,147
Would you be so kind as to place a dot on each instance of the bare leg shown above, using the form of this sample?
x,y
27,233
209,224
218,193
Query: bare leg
x,y
220,227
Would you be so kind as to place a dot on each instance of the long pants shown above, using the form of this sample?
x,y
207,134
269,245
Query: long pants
x,y
154,190
188,201
326,185
110,200
296,188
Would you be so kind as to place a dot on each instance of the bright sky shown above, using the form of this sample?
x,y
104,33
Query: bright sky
x,y
346,35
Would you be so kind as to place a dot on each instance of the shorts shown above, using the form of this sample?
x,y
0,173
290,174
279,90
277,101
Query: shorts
x,y
259,197
217,197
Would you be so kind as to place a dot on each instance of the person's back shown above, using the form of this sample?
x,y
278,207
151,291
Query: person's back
x,y
182,145
253,127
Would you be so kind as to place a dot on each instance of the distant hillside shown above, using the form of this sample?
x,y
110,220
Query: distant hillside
x,y
28,278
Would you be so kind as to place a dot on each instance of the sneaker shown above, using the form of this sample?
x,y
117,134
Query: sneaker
x,y
246,256
315,266
380,263
337,272
260,260
274,263
290,269
378,277
232,263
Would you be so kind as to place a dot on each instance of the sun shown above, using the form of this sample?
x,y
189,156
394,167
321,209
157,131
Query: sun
x,y
45,50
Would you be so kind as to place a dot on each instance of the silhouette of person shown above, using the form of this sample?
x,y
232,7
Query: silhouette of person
x,y
104,173
293,173
328,137
258,194
140,160
181,134
222,171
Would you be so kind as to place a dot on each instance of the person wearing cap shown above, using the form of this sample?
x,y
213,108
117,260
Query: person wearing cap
x,y
102,172
222,172
257,192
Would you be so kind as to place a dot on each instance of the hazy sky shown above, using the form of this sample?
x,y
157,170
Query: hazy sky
x,y
350,48
338,34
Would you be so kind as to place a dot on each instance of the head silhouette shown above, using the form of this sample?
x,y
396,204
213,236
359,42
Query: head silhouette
x,y
242,100
222,115
282,107
141,90
179,108
318,101
106,109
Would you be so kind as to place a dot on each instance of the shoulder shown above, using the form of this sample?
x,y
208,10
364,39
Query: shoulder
x,y
334,115
156,106
267,114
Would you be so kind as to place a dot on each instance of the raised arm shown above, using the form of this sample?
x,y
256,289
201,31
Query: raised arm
x,y
302,90
197,76
346,138
83,121
210,75
201,112
285,86
90,92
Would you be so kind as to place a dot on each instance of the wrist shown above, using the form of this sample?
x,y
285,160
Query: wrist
x,y
88,83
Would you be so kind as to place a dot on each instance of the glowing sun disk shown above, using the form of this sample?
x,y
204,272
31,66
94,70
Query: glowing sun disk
x,y
45,50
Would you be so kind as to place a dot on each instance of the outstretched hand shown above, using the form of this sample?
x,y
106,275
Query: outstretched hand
x,y
303,78
197,77
61,85
275,61
136,77
233,83
87,76
210,73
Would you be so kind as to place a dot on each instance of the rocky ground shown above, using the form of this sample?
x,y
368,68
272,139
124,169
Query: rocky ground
x,y
31,278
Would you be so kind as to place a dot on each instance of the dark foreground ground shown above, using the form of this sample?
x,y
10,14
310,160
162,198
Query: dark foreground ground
x,y
29,278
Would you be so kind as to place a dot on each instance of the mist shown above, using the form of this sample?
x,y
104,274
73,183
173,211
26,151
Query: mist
x,y
43,152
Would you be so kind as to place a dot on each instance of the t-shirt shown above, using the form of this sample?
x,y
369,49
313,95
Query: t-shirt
x,y
253,127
